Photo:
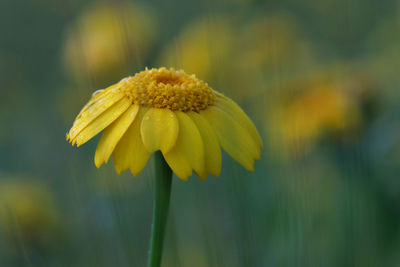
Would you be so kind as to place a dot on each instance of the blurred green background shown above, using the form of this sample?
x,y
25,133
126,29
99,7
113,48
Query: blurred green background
x,y
319,78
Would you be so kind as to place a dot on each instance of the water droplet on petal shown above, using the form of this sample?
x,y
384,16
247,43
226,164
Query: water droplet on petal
x,y
97,92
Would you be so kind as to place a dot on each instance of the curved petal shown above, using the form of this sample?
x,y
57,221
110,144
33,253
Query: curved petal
x,y
159,129
229,106
212,150
96,106
188,152
102,121
130,152
113,134
234,139
178,162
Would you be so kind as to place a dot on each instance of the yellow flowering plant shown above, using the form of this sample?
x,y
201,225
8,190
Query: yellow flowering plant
x,y
320,106
174,114
106,38
28,210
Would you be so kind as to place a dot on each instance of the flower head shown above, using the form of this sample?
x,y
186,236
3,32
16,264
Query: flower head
x,y
168,110
319,107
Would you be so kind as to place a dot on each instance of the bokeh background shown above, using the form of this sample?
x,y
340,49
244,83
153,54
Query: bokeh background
x,y
320,79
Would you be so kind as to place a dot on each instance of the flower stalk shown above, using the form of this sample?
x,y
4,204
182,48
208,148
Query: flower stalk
x,y
162,192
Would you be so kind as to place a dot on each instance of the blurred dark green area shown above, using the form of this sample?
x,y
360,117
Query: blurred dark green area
x,y
320,79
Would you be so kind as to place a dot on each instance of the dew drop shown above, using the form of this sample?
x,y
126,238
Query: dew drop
x,y
97,92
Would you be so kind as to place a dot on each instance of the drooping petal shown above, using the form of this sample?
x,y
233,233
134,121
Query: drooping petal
x,y
99,95
230,107
212,150
96,106
188,152
159,129
102,121
112,134
130,152
178,162
234,139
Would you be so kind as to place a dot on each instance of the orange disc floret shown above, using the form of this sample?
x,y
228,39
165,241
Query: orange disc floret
x,y
168,88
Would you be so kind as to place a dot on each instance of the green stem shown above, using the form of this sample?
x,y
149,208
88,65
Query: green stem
x,y
162,192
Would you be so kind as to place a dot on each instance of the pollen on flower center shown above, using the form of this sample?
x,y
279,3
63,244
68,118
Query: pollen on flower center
x,y
168,88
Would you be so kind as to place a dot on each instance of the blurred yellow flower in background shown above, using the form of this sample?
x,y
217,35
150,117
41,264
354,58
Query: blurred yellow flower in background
x,y
28,212
107,38
314,107
268,41
203,46
269,47
321,108
237,54
171,111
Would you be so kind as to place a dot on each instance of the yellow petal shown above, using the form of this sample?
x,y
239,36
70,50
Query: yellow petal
x,y
178,162
113,134
130,152
159,129
212,151
229,106
188,152
234,139
96,106
102,121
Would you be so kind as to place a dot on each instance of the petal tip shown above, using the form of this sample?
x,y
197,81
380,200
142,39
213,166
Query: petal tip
x,y
98,162
134,173
118,170
249,167
185,178
217,174
202,176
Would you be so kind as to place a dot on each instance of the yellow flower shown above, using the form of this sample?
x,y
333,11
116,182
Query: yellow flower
x,y
171,111
209,47
203,47
316,108
268,42
28,208
106,38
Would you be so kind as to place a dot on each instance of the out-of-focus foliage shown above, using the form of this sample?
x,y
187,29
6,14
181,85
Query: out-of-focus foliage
x,y
319,78
382,46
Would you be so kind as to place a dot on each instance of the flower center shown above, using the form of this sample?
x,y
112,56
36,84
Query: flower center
x,y
163,88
